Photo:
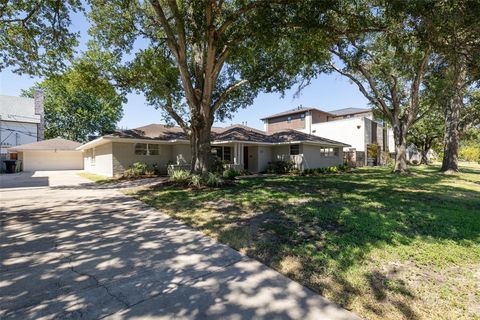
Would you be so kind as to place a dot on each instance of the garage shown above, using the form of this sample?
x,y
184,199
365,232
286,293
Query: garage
x,y
52,154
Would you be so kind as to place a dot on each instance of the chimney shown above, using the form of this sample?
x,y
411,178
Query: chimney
x,y
38,96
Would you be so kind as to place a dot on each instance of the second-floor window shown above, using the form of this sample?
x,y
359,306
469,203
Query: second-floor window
x,y
302,117
289,119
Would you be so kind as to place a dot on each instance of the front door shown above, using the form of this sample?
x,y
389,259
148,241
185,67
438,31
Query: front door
x,y
245,158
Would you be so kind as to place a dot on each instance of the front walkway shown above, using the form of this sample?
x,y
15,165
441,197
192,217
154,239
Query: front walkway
x,y
78,251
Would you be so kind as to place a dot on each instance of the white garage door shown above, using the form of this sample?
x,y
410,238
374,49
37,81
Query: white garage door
x,y
52,160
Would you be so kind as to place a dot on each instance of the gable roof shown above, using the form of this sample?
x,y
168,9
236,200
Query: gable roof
x,y
293,111
234,133
345,111
59,144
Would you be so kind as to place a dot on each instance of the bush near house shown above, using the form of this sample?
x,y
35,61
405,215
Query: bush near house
x,y
280,167
139,169
185,178
319,171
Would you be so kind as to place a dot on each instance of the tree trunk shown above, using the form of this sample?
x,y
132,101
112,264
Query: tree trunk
x,y
400,149
451,138
452,117
424,159
201,148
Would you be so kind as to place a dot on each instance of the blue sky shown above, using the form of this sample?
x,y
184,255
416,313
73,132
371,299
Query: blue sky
x,y
327,92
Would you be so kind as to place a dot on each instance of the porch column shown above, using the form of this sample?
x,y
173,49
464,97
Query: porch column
x,y
238,154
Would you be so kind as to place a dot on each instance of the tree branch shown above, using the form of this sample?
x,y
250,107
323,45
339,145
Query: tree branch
x,y
217,104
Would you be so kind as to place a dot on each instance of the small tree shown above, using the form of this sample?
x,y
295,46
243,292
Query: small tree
x,y
201,60
34,35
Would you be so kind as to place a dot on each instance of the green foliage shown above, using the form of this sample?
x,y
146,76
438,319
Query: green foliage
x,y
470,153
213,180
324,170
180,176
80,102
34,35
280,167
135,170
230,174
196,180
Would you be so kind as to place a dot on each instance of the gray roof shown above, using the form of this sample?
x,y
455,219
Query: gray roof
x,y
231,133
293,111
47,145
345,111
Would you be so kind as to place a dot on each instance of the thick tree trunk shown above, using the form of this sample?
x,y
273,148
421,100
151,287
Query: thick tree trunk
x,y
399,135
452,117
451,138
201,149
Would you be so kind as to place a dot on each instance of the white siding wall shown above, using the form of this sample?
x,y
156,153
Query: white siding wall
x,y
51,160
312,158
124,156
345,131
103,160
253,158
264,157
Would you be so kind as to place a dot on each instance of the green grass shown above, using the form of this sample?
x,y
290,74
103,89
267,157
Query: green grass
x,y
381,245
96,178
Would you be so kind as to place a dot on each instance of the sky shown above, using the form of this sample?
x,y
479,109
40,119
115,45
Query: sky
x,y
327,92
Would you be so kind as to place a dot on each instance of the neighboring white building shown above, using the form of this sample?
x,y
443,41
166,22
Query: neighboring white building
x,y
356,127
21,121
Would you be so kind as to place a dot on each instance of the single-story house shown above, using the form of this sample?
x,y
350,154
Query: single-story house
x,y
51,154
241,146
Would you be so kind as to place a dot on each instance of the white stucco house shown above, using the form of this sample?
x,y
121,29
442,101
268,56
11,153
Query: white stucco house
x,y
356,127
241,146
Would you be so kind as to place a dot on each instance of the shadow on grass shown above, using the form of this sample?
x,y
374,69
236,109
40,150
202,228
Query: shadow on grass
x,y
331,223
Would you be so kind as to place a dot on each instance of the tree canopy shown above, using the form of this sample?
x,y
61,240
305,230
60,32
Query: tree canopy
x,y
80,102
35,36
202,60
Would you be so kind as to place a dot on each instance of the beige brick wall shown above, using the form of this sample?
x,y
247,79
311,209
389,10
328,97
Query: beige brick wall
x,y
281,123
124,156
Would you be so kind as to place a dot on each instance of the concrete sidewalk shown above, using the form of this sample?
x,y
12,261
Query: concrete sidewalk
x,y
75,251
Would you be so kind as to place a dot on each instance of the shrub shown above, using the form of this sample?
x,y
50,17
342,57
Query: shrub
x,y
180,176
213,179
280,167
230,174
196,180
471,153
135,170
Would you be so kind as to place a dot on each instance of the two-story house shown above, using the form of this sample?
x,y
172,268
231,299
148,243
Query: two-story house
x,y
21,121
354,126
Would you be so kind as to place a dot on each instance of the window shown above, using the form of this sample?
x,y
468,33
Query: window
x,y
227,155
289,119
222,153
302,117
90,155
153,149
336,152
327,152
141,149
294,149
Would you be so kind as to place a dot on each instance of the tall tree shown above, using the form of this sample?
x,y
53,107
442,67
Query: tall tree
x,y
80,102
200,60
388,65
34,34
452,29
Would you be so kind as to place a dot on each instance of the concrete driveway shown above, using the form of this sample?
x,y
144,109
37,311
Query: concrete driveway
x,y
69,249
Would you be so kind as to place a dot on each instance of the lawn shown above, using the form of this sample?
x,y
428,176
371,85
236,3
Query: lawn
x,y
381,245
96,178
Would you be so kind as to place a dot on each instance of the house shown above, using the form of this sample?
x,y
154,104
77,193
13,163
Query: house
x,y
51,154
21,121
240,146
354,126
